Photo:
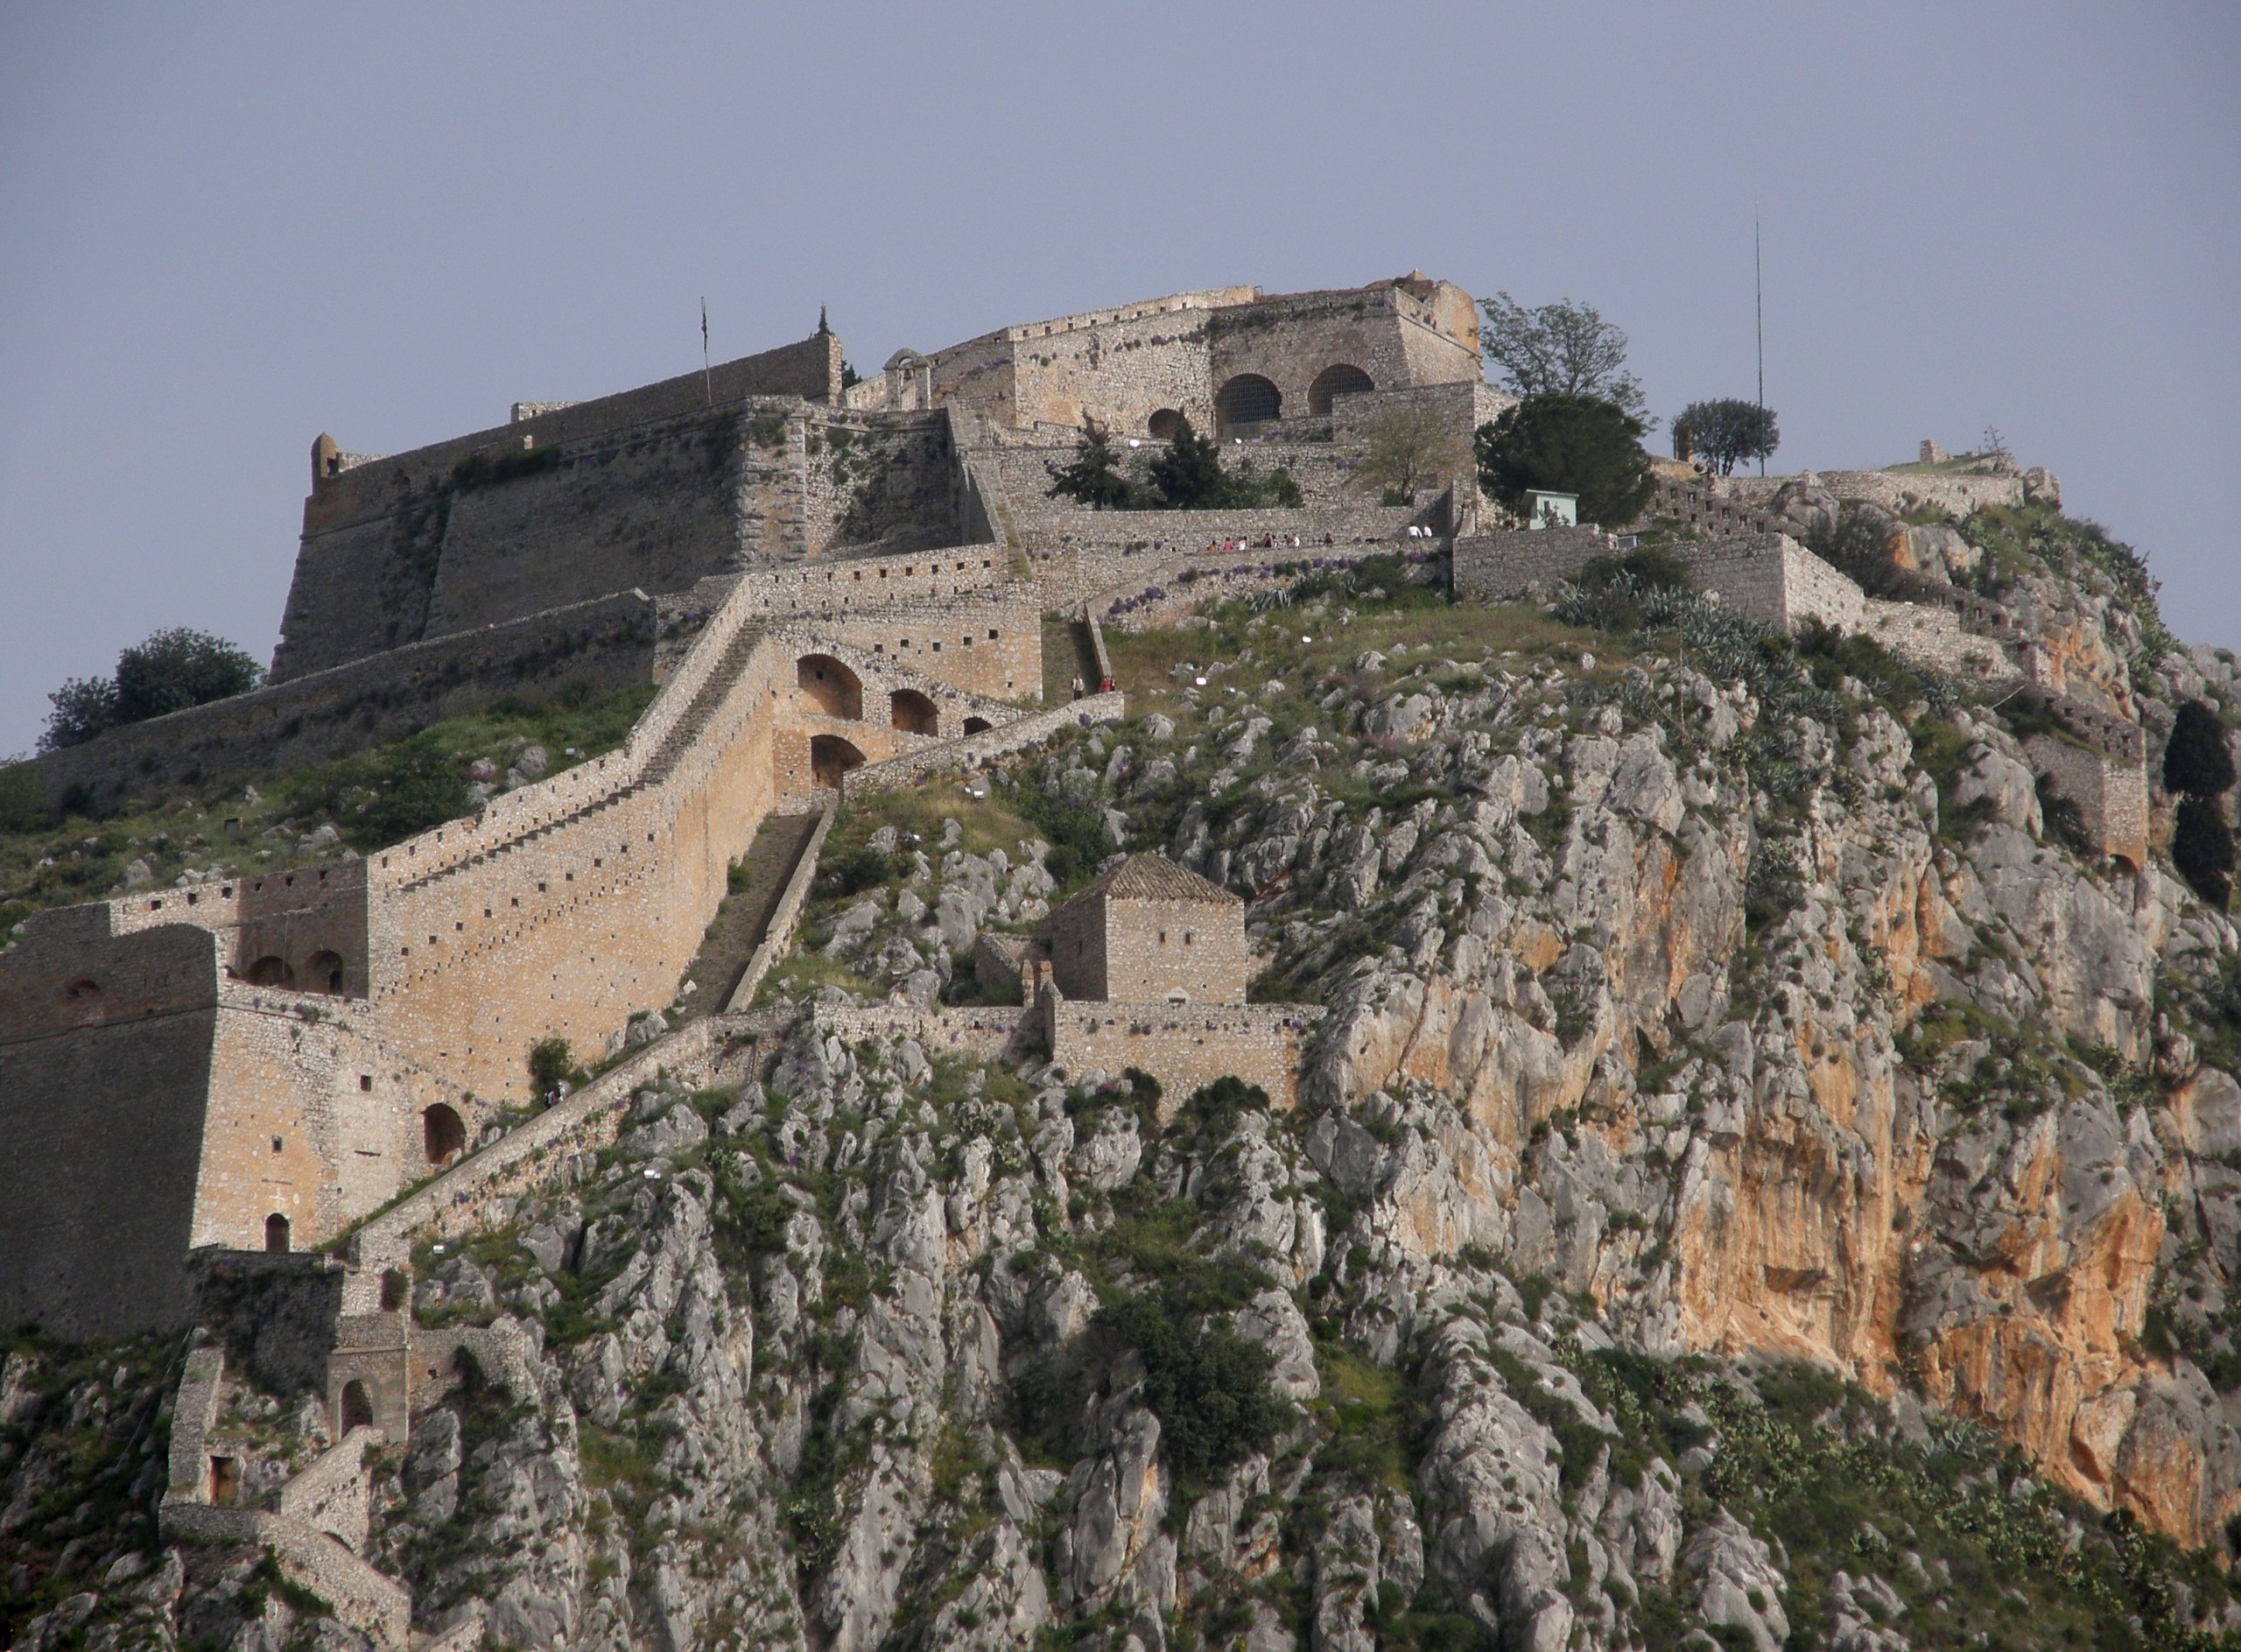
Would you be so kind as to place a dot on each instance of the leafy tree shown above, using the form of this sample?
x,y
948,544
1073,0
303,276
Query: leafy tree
x,y
1723,432
1093,478
2197,761
551,1065
1559,349
172,671
2202,849
1583,444
1207,1385
1189,475
1405,446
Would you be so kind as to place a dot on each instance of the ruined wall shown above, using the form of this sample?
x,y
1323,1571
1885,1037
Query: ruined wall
x,y
2111,793
1182,1048
1897,491
1497,567
597,647
1930,635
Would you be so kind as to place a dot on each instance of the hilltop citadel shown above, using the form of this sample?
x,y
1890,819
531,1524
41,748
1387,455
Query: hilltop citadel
x,y
834,588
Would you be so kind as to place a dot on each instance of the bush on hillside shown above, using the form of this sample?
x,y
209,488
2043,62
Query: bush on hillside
x,y
2197,761
2202,849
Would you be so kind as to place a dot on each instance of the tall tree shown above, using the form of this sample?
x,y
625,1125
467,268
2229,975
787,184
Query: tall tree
x,y
2198,765
171,671
1405,447
1559,349
1724,433
1581,444
1093,478
2197,760
1189,475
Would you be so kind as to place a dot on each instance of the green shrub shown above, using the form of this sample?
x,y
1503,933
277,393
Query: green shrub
x,y
1207,1385
417,785
2202,849
2197,760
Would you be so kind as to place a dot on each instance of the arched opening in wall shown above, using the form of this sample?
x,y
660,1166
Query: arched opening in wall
x,y
357,1408
2124,865
1162,424
914,714
831,687
85,989
1246,399
977,725
443,1134
272,970
276,1232
830,757
1341,378
324,973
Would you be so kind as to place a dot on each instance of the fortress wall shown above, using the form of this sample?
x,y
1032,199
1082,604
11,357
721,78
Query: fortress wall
x,y
885,479
834,586
1388,333
988,646
1114,554
655,508
603,645
569,932
103,1142
1497,567
1930,635
1120,372
2111,793
344,1107
1182,1047
972,750
1323,469
1897,491
1772,579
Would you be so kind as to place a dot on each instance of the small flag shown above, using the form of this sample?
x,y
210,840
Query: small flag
x,y
704,326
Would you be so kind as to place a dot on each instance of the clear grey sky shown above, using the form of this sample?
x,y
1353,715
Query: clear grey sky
x,y
225,229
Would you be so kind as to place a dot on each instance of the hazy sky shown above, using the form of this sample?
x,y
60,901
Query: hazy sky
x,y
224,230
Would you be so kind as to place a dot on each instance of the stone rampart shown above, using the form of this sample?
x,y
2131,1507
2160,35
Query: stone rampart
x,y
981,1033
1772,579
1096,553
1183,1046
521,1161
332,1494
194,1413
972,750
1897,491
361,1596
1930,635
778,932
597,646
1501,567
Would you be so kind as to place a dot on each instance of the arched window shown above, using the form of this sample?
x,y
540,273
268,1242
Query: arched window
x,y
830,757
1341,378
324,973
443,1134
1246,399
276,1232
914,714
1162,424
357,1406
976,724
830,686
272,970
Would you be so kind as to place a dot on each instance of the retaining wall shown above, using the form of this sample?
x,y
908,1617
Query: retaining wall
x,y
361,1597
1183,1046
595,647
973,749
778,933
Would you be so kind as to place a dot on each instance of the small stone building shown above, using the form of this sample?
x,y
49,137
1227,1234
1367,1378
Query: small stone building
x,y
1151,931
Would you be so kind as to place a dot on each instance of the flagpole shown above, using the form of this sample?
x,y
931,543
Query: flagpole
x,y
1759,285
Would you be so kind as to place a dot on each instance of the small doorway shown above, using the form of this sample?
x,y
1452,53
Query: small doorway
x,y
357,1406
276,1234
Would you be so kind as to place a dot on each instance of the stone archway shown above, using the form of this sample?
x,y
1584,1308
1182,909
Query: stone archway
x,y
272,970
913,712
324,973
1246,399
830,757
1163,425
443,1134
358,1408
830,686
276,1234
1341,378
977,725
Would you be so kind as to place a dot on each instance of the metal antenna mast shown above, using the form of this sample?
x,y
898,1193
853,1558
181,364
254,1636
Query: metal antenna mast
x,y
1759,283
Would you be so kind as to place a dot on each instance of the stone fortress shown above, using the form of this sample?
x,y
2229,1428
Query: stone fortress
x,y
246,1101
830,583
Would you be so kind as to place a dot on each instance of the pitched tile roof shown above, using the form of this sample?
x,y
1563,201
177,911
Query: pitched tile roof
x,y
1154,877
